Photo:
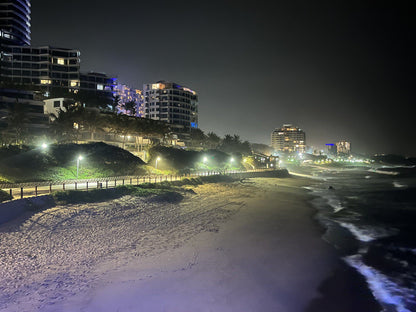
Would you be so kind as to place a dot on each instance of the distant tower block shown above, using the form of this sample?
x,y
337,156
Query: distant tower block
x,y
343,148
288,139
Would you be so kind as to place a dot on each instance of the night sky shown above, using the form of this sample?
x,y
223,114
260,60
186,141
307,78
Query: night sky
x,y
339,70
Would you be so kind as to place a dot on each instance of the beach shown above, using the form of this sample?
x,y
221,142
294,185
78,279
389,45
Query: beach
x,y
251,245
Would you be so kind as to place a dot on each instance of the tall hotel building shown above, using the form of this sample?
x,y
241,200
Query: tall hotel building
x,y
172,103
15,22
288,139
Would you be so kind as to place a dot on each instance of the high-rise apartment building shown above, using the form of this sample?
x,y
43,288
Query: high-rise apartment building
x,y
15,22
43,68
172,103
51,69
288,139
343,148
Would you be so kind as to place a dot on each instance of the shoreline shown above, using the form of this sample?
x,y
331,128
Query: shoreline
x,y
222,252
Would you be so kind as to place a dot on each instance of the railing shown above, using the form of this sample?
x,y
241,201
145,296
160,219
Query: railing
x,y
31,189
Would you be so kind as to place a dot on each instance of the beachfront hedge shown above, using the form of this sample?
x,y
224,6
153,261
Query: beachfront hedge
x,y
5,196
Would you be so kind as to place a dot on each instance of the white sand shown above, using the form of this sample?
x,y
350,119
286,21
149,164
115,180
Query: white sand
x,y
239,247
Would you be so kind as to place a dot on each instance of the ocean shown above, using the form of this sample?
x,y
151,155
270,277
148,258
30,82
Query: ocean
x,y
370,217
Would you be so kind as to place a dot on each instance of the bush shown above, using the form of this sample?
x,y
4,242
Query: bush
x,y
5,196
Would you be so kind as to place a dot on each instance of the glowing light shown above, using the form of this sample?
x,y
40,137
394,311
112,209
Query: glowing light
x,y
44,145
156,86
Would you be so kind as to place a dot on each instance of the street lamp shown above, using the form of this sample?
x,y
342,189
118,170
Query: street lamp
x,y
78,160
157,159
205,159
232,160
44,146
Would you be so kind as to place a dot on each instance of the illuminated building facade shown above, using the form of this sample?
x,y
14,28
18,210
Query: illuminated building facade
x,y
172,103
288,139
45,67
15,22
343,148
97,83
131,100
50,68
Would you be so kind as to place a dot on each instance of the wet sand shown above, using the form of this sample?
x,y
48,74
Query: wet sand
x,y
250,246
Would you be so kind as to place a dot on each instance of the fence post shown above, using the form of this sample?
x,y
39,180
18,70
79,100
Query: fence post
x,y
131,181
123,181
36,190
115,182
11,193
63,186
87,185
106,184
50,188
98,184
76,186
21,192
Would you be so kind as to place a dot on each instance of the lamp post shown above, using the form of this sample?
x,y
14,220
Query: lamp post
x,y
78,159
157,159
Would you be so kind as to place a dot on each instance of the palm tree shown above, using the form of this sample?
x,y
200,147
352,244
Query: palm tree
x,y
213,140
65,127
17,120
130,108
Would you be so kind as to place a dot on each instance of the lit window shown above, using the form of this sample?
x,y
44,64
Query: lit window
x,y
100,87
74,83
61,61
45,81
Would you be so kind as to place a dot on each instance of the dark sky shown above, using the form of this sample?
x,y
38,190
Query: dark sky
x,y
337,69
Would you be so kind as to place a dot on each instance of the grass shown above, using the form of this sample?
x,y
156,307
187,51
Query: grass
x,y
58,162
165,191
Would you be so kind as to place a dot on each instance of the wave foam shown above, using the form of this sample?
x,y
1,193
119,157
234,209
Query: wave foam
x,y
368,234
384,172
399,185
384,290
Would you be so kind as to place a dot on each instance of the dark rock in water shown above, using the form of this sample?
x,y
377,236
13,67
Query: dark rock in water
x,y
330,188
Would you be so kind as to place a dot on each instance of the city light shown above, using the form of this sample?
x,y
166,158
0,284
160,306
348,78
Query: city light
x,y
78,160
157,160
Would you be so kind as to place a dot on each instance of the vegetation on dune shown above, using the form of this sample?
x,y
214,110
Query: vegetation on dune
x,y
59,162
160,192
100,195
185,161
4,196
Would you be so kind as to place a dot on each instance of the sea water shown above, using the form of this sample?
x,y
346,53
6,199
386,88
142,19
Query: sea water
x,y
370,217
